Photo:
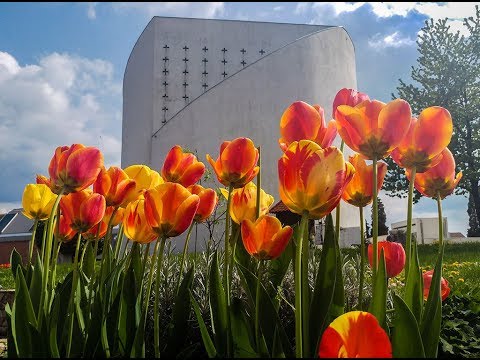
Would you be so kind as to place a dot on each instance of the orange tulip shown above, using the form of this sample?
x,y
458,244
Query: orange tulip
x,y
135,224
115,185
65,231
425,140
83,208
243,203
265,238
92,233
358,192
145,178
301,121
373,128
74,168
427,281
355,334
103,225
348,97
237,162
170,209
438,180
394,257
208,201
312,179
181,167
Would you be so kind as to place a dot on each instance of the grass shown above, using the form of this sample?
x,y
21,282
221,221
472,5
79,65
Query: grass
x,y
7,281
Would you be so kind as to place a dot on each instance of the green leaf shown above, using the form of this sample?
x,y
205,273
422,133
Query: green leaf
x,y
279,266
15,262
94,328
406,339
137,262
35,288
207,340
128,319
338,302
218,306
414,286
378,306
242,331
181,315
432,316
88,265
324,288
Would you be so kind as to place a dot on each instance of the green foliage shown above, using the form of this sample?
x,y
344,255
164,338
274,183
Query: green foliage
x,y
473,223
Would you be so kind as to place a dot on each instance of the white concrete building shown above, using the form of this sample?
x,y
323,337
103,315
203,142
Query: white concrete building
x,y
198,82
425,229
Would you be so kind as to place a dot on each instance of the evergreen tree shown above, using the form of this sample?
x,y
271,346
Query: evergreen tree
x,y
382,219
473,225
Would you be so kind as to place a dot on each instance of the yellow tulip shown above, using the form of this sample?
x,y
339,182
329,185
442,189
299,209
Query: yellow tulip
x,y
37,201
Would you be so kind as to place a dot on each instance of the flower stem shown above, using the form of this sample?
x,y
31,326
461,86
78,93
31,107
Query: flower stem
x,y
362,260
259,187
440,221
226,279
119,241
257,305
32,241
298,288
182,263
375,220
408,241
156,327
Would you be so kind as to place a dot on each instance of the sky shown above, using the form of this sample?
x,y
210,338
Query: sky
x,y
62,65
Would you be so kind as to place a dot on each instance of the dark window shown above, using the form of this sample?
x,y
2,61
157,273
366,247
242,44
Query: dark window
x,y
5,220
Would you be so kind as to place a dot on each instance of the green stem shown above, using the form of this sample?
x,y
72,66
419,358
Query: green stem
x,y
440,221
226,269
156,326
257,305
32,241
362,260
71,312
87,244
144,265
93,279
44,239
375,220
259,187
298,288
54,262
119,241
305,291
182,263
408,241
43,305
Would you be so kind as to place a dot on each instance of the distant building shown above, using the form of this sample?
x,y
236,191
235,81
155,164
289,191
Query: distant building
x,y
425,229
15,233
456,235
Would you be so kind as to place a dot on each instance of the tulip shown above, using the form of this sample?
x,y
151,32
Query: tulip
x,y
37,201
301,121
208,201
115,185
439,180
355,334
236,165
170,208
394,257
427,281
373,128
358,192
135,224
348,97
265,239
145,178
65,231
84,208
425,140
74,168
312,179
181,167
243,203
103,225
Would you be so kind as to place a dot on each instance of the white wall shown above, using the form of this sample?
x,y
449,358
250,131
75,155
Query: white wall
x,y
426,229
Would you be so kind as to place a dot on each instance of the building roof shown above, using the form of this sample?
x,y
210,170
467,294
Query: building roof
x,y
278,207
456,235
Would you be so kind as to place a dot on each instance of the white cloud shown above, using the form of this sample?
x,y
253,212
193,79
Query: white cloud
x,y
5,207
279,8
91,10
64,99
186,9
302,8
394,40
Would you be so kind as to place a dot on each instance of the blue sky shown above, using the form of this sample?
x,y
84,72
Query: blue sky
x,y
62,64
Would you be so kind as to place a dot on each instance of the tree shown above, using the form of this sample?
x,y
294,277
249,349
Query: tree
x,y
473,224
382,219
448,75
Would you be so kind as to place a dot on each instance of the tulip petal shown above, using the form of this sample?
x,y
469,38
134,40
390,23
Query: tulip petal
x,y
184,216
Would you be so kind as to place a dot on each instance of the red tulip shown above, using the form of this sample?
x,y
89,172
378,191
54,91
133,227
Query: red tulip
x,y
208,201
394,257
115,185
438,180
348,97
83,208
355,334
237,163
181,167
373,128
65,231
265,239
301,121
427,281
74,168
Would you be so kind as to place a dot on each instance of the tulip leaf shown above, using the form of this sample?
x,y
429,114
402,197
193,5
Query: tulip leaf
x,y
406,339
207,340
414,286
11,350
88,265
432,316
338,303
242,331
181,315
128,319
15,262
378,306
218,306
324,290
35,288
280,265
94,328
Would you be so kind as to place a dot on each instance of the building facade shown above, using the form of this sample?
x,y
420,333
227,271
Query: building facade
x,y
198,82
